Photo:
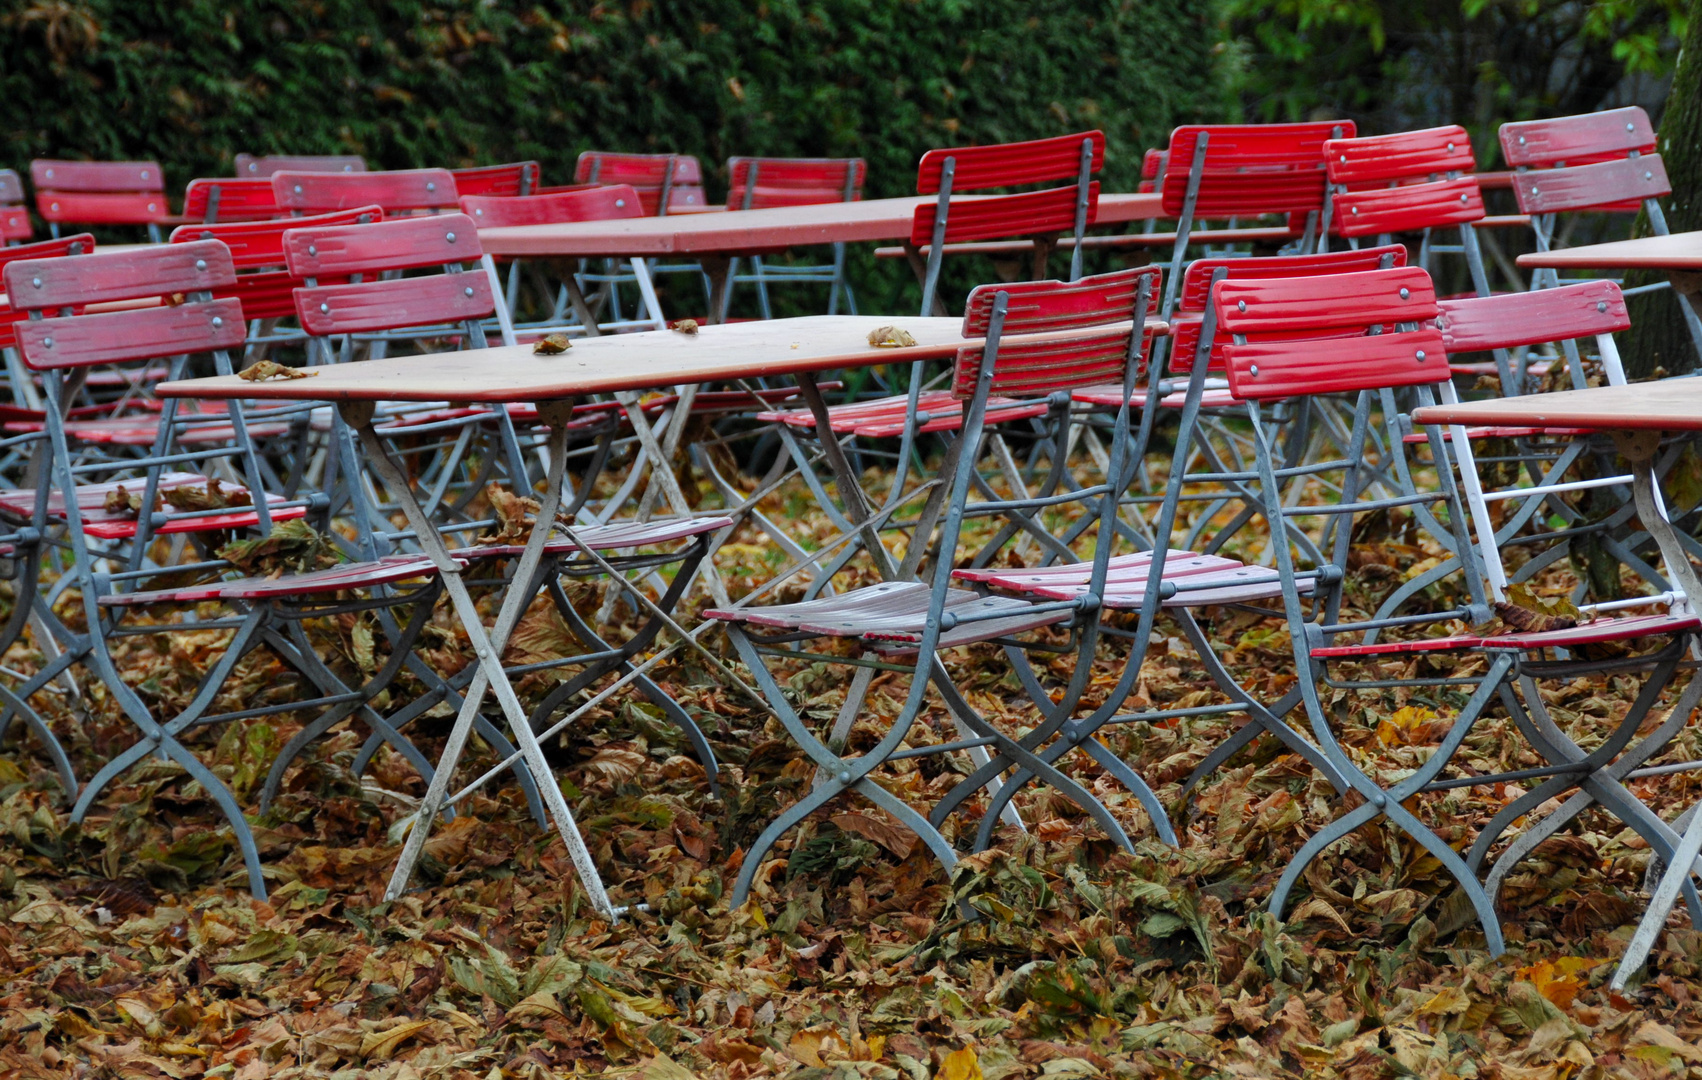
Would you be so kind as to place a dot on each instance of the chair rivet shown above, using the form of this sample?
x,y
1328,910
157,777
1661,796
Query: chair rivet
x,y
449,237
313,249
430,186
1521,140
1648,176
1344,159
200,264
1628,127
50,174
468,290
1601,305
56,206
845,778
479,212
47,342
1253,370
325,308
1241,305
298,189
1536,191
620,203
1405,292
1354,210
1462,196
150,208
217,322
1420,355
36,282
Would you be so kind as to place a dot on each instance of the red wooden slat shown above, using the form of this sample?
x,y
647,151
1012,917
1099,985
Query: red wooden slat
x,y
1196,280
80,244
392,305
1577,140
1407,154
1410,208
94,208
239,199
793,181
515,178
14,224
1033,369
1290,306
1618,184
1038,161
399,190
1636,626
110,176
1508,320
1032,213
118,336
1037,306
580,204
265,165
1252,168
1278,369
11,186
388,245
260,244
645,172
1152,162
160,270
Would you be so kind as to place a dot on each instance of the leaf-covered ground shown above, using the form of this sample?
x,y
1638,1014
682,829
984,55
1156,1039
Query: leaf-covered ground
x,y
129,946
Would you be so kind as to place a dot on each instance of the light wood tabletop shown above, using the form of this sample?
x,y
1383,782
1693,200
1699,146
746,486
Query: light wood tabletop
x,y
1679,251
735,232
1665,405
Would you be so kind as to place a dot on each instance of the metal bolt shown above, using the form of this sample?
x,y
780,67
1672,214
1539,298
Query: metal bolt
x,y
298,189
1344,159
200,264
36,282
845,778
325,308
1405,292
1629,126
1521,140
468,290
1450,148
50,174
449,237
479,212
1601,305
620,203
1420,355
150,208
430,186
217,322
1354,210
1462,196
1648,175
1241,305
56,206
1536,191
1253,370
48,342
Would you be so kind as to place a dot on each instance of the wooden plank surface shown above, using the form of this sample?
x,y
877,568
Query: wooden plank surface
x,y
1680,251
734,231
1665,405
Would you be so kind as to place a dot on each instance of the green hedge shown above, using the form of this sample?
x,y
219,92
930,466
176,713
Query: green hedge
x,y
460,82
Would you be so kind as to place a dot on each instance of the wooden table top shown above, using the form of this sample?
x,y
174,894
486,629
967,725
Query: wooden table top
x,y
1664,405
734,231
656,358
1680,251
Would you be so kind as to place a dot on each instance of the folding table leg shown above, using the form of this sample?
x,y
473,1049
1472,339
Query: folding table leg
x,y
1666,894
487,647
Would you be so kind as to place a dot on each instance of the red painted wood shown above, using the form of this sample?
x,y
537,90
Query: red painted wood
x,y
1251,168
1029,369
101,208
398,244
107,525
396,191
158,270
579,204
1152,162
392,305
1196,281
1594,633
1286,306
1038,306
336,579
1334,365
265,165
1508,320
1577,140
1409,208
1620,184
80,244
1426,154
515,178
260,244
1038,161
1032,213
793,181
14,224
646,173
11,186
118,336
239,199
96,176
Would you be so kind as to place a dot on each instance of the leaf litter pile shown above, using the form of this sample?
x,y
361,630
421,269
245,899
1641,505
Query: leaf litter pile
x,y
130,947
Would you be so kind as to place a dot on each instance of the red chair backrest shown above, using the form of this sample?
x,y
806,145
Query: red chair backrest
x,y
516,178
398,192
14,219
648,173
447,240
1251,169
99,192
793,181
1601,186
1509,320
1407,208
580,204
1577,140
1031,213
1187,321
1312,335
1039,161
1428,154
1030,369
159,272
267,289
265,165
239,199
81,244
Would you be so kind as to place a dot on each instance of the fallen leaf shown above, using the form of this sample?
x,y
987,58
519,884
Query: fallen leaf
x,y
551,345
891,337
261,370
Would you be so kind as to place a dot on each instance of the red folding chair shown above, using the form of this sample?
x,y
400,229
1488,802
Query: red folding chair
x,y
216,199
518,178
14,215
666,183
100,193
757,183
264,165
402,191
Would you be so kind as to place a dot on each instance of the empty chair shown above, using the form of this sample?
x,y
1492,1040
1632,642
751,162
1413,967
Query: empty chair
x,y
215,199
759,183
402,191
518,178
665,182
14,216
264,165
100,193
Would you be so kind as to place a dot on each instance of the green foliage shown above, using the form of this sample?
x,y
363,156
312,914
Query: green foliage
x,y
463,82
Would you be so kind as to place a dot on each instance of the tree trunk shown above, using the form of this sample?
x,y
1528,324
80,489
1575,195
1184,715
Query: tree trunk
x,y
1658,340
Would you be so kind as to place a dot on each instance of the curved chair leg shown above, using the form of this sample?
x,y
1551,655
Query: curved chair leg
x,y
17,706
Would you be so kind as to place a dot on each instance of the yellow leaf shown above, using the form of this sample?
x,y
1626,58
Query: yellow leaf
x,y
379,1045
1558,980
961,1064
1400,725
